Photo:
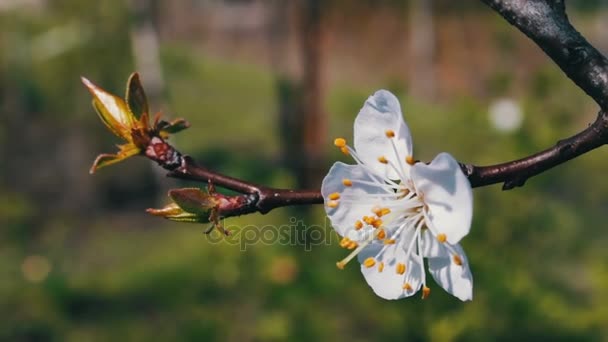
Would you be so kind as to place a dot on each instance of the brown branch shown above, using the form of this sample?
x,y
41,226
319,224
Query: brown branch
x,y
515,173
546,23
259,198
267,198
543,21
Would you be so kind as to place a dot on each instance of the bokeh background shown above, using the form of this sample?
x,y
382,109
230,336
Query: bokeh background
x,y
266,86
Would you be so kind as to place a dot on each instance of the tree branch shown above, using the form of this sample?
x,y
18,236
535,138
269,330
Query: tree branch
x,y
543,21
515,173
267,198
546,23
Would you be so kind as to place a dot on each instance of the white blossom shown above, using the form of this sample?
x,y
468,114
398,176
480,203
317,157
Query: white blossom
x,y
394,212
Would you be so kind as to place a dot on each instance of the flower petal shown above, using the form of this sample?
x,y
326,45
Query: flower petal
x,y
448,195
382,112
355,201
455,279
112,110
389,284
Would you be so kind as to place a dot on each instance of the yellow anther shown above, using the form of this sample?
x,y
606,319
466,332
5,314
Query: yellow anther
x,y
368,219
390,133
390,241
377,223
410,160
340,142
358,225
352,245
369,262
347,182
340,265
442,238
344,150
425,292
383,160
407,287
332,204
457,260
381,234
334,196
400,268
381,211
380,267
344,242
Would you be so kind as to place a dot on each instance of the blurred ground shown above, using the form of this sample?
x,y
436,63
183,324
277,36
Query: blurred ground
x,y
81,261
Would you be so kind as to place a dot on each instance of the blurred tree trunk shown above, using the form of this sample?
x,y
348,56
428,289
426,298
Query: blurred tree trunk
x,y
302,118
422,50
314,119
146,55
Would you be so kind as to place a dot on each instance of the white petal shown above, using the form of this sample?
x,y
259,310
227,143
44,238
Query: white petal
x,y
448,194
388,284
456,280
382,112
344,216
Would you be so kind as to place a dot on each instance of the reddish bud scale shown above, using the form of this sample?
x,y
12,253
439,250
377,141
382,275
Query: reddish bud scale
x,y
164,154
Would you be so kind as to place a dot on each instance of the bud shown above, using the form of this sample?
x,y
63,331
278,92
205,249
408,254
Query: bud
x,y
189,205
129,120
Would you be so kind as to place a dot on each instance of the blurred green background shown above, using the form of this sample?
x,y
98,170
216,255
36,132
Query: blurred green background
x,y
80,260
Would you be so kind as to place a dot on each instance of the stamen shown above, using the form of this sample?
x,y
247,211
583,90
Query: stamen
x,y
380,267
347,182
410,160
388,187
371,172
377,223
400,268
407,287
340,264
369,262
334,196
401,168
381,211
368,219
358,225
399,171
383,160
340,142
344,242
381,234
352,245
332,204
425,292
442,238
345,151
390,133
457,260
390,241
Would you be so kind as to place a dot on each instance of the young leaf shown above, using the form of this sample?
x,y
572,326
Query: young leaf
x,y
136,97
112,110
